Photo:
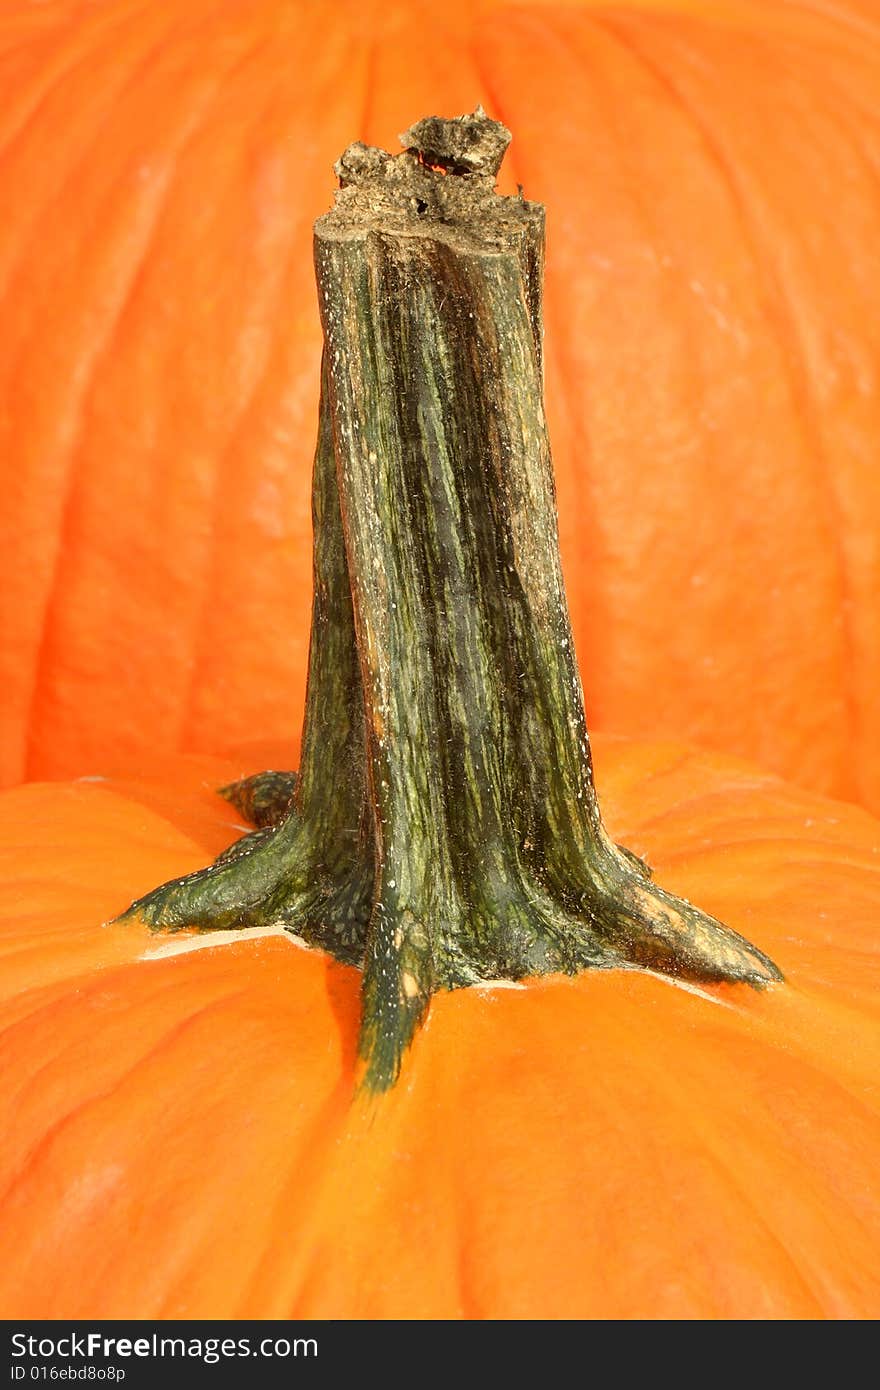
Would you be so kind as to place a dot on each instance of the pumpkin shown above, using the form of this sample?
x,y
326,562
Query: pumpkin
x,y
713,339
181,1138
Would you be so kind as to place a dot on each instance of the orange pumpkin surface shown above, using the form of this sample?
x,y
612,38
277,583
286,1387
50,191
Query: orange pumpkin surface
x,y
181,1139
713,341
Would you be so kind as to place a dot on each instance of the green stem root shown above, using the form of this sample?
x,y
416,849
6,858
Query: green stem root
x,y
443,828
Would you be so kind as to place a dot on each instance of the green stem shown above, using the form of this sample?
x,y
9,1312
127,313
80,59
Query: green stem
x,y
444,827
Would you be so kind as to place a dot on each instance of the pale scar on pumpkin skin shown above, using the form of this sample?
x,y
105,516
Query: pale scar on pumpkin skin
x,y
690,989
218,940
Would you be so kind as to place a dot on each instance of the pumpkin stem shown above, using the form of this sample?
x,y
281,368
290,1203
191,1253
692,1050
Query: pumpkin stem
x,y
444,827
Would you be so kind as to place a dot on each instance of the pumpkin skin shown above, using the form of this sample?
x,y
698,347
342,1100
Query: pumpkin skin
x,y
713,340
181,1134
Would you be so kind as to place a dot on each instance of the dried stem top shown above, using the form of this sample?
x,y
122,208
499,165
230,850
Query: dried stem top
x,y
443,184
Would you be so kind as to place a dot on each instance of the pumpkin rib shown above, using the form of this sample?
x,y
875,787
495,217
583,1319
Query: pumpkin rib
x,y
853,132
11,1033
783,320
70,174
694,1117
308,1170
50,77
855,1095
173,1100
97,350
33,1003
716,1145
820,841
179,1031
82,1107
226,460
694,851
305,1267
767,1034
308,1177
692,1120
214,635
226,465
856,723
103,348
85,1102
642,213
834,1185
843,15
855,693
64,478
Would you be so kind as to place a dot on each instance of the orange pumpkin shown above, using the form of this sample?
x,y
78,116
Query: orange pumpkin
x,y
713,340
180,1134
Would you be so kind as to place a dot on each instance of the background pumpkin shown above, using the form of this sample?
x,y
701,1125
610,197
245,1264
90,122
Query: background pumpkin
x,y
630,1148
713,340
